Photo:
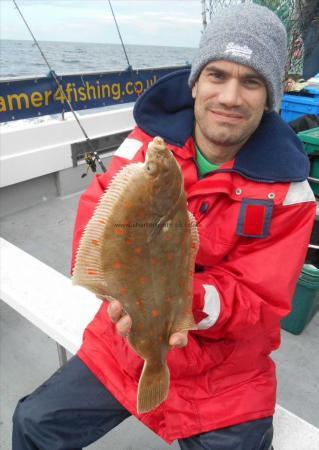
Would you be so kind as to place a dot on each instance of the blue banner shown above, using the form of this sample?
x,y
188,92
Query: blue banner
x,y
33,97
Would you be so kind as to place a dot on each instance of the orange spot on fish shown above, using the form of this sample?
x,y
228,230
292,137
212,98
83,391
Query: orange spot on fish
x,y
91,272
155,313
138,302
95,242
129,241
141,213
193,245
127,204
142,280
119,231
161,339
117,265
122,290
137,250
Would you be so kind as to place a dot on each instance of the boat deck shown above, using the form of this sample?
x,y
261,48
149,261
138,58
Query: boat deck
x,y
28,356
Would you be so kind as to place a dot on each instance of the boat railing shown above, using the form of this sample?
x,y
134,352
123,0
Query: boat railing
x,y
23,98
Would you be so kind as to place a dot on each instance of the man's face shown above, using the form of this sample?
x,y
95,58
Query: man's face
x,y
230,100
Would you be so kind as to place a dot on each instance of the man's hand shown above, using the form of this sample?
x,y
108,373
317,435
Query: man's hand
x,y
123,325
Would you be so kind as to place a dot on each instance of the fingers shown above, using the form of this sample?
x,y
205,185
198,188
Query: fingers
x,y
115,311
123,326
179,339
122,323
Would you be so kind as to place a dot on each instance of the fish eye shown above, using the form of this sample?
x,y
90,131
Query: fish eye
x,y
151,168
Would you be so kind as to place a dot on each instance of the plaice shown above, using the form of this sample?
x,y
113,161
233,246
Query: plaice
x,y
139,247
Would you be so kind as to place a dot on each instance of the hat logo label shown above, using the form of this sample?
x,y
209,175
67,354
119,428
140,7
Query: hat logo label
x,y
238,50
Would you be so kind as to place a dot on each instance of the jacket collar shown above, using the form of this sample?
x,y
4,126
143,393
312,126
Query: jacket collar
x,y
272,154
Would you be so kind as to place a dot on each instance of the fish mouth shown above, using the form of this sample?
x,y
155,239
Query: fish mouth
x,y
158,157
155,154
158,149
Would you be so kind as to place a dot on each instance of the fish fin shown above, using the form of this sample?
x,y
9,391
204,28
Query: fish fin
x,y
88,270
194,236
153,387
186,320
193,253
184,323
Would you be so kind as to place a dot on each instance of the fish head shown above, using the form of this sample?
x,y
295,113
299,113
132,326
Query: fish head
x,y
165,179
159,160
160,164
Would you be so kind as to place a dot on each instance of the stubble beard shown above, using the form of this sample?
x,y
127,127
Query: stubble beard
x,y
225,134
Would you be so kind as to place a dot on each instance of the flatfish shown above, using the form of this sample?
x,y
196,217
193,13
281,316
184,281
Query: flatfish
x,y
139,248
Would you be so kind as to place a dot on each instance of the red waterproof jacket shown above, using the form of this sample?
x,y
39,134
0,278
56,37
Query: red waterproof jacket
x,y
254,216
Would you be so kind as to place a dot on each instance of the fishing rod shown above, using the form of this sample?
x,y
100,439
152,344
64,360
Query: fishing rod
x,y
204,10
129,67
90,157
120,36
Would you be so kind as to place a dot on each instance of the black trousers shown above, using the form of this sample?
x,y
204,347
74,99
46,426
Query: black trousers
x,y
72,409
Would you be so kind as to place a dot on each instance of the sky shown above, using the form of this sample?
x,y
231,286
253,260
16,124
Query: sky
x,y
142,22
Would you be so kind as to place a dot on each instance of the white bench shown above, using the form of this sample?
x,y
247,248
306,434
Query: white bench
x,y
48,300
45,297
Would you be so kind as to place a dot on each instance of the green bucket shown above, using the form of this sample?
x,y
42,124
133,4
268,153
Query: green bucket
x,y
314,173
305,302
310,140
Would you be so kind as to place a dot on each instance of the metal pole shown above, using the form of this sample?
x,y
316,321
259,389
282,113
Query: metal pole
x,y
204,14
313,180
62,355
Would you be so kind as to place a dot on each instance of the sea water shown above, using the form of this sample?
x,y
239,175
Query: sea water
x,y
22,58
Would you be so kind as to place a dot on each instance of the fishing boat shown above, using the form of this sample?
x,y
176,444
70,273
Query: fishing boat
x,y
56,133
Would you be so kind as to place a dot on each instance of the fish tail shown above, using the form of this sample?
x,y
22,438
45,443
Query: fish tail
x,y
153,387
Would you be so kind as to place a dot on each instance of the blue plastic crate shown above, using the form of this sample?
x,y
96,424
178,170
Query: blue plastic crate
x,y
294,106
312,90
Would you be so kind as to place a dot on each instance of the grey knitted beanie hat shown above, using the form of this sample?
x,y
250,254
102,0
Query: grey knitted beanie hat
x,y
246,34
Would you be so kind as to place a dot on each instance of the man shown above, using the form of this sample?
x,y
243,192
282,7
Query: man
x,y
245,177
309,12
311,50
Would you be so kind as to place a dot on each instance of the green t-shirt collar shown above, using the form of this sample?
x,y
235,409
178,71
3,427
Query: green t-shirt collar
x,y
203,165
